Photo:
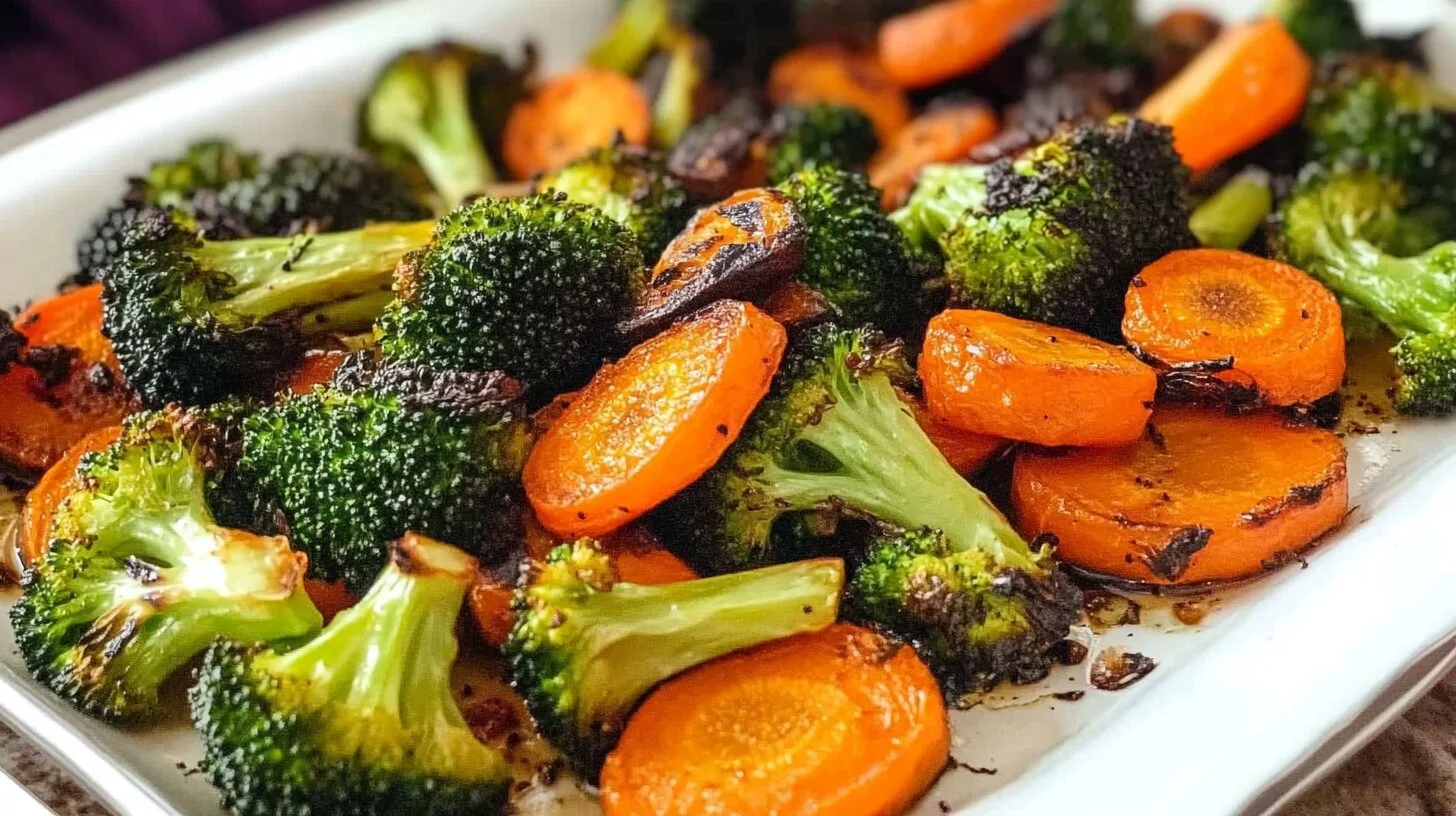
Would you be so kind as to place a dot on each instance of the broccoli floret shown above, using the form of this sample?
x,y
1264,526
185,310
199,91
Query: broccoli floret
x,y
633,186
943,194
1096,34
433,114
531,286
140,578
1332,227
317,192
383,451
585,649
194,320
804,136
856,257
1320,27
974,618
1062,229
360,720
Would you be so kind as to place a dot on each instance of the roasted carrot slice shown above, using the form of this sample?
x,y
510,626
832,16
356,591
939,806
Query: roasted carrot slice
x,y
942,134
316,367
43,500
647,426
797,304
1255,323
825,72
955,37
569,116
966,451
833,723
70,385
331,597
1245,87
998,375
1203,496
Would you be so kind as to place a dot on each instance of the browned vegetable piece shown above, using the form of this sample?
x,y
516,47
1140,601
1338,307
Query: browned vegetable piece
x,y
1177,39
722,153
797,304
740,248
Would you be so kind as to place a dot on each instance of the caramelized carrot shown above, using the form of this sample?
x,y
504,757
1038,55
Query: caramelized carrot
x,y
490,606
1264,325
1245,87
331,597
647,426
833,723
954,37
41,503
569,116
942,134
998,375
317,367
824,72
966,451
797,304
1203,496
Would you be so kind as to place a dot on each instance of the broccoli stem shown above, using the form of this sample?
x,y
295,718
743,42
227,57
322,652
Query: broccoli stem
x,y
1233,214
672,110
633,35
447,144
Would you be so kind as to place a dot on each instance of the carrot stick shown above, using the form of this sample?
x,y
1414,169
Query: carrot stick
x,y
1245,87
942,134
955,37
824,72
1276,329
649,425
43,500
997,375
966,451
569,116
840,722
1203,496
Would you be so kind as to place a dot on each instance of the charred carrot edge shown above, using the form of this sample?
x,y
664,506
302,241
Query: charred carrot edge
x,y
1203,496
42,502
955,37
942,134
824,72
1015,379
1243,88
1261,323
570,115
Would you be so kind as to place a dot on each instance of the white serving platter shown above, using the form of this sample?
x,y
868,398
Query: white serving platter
x,y
1278,683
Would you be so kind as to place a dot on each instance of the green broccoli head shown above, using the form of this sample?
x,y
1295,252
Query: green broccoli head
x,y
140,578
585,648
531,286
1339,226
633,186
194,320
856,256
1065,227
1321,27
314,192
974,619
802,136
329,466
360,720
1096,34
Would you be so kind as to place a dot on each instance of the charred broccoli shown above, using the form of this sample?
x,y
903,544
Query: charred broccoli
x,y
633,186
804,136
314,192
585,648
1320,27
381,452
140,578
194,320
532,286
360,720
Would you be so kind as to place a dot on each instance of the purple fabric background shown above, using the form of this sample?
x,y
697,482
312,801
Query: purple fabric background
x,y
54,49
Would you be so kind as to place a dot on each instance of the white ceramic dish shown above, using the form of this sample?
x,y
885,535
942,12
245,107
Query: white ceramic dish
x,y
1276,685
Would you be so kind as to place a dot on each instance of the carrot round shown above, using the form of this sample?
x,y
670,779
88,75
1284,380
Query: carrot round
x,y
966,451
1203,496
569,116
825,72
942,134
647,426
43,500
1275,329
998,375
1243,88
954,37
841,722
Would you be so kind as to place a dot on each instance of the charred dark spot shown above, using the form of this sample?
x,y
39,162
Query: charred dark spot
x,y
957,765
1108,609
12,342
715,156
1297,496
1115,669
1070,696
1156,437
490,719
745,215
722,430
1171,560
1068,652
476,393
51,363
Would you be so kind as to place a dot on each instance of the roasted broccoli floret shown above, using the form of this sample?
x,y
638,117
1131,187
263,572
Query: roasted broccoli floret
x,y
633,186
1333,226
433,114
1096,34
833,134
383,451
856,257
1320,27
943,194
317,192
360,720
140,578
531,286
194,320
585,648
1060,230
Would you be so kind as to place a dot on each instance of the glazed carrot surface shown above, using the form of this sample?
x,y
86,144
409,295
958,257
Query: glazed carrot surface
x,y
1277,329
1243,88
43,500
966,451
942,134
570,115
316,367
842,722
947,39
833,73
1202,496
1001,376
